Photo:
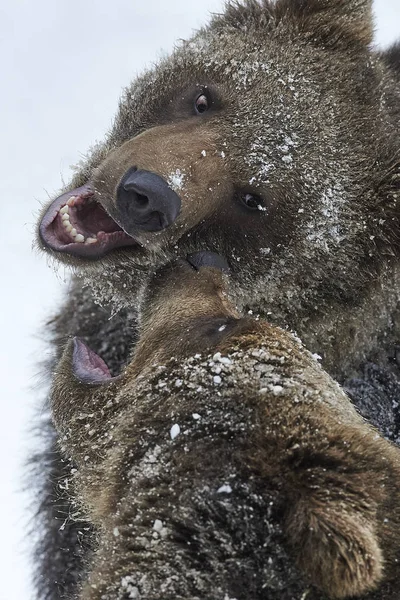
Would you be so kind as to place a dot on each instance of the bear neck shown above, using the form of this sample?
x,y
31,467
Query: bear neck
x,y
347,335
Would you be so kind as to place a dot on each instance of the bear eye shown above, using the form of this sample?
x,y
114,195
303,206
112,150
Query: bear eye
x,y
201,104
253,202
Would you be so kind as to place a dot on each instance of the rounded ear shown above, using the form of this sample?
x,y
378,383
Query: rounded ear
x,y
338,23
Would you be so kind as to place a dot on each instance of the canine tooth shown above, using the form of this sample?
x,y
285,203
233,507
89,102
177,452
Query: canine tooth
x,y
68,226
64,210
79,238
71,201
65,217
73,232
91,240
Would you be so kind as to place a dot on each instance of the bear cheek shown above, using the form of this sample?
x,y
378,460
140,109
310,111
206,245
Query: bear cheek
x,y
206,189
202,198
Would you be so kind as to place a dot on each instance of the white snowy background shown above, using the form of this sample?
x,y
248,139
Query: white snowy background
x,y
63,63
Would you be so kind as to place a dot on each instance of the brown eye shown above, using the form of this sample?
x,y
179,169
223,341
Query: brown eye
x,y
253,202
201,104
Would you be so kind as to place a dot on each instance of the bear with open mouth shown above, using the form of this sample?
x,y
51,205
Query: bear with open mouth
x,y
220,433
272,138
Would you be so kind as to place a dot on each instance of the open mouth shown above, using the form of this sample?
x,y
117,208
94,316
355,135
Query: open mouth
x,y
87,366
77,224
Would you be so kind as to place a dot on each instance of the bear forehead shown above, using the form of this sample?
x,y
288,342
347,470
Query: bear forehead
x,y
279,91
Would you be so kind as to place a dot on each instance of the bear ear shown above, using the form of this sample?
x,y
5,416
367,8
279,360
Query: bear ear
x,y
331,22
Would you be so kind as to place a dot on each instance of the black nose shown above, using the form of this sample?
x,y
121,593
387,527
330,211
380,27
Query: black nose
x,y
208,259
145,202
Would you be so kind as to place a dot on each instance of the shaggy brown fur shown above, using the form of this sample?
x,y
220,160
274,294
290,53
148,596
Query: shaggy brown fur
x,y
303,114
265,436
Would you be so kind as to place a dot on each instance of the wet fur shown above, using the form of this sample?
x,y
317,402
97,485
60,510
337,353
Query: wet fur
x,y
277,430
339,295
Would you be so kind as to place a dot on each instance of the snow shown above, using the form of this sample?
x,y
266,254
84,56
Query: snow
x,y
130,589
176,179
51,117
158,525
175,431
224,489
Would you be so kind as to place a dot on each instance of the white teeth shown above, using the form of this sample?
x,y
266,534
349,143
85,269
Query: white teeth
x,y
66,223
65,220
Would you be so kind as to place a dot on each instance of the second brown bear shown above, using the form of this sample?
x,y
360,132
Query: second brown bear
x,y
183,463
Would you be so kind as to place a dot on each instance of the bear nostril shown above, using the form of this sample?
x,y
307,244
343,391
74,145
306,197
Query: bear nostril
x,y
145,202
142,200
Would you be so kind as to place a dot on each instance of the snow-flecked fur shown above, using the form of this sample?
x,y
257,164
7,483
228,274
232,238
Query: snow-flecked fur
x,y
199,471
306,115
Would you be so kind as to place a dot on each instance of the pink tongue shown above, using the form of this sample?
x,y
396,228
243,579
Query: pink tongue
x,y
87,366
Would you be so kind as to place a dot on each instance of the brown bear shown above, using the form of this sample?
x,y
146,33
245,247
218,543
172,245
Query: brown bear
x,y
272,137
220,431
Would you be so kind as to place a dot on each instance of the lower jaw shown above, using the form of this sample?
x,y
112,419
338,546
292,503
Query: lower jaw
x,y
91,252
